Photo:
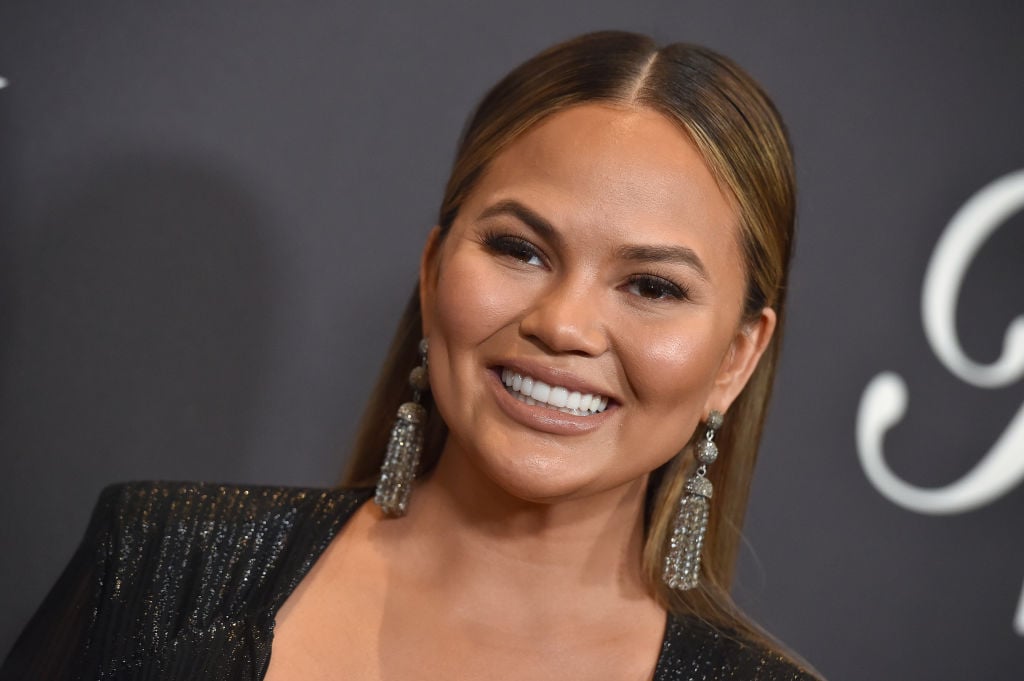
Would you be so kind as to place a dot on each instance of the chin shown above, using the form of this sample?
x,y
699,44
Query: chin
x,y
543,480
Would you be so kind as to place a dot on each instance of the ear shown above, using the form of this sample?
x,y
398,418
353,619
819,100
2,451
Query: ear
x,y
429,270
739,363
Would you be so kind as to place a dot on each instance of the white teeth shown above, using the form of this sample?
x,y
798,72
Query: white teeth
x,y
533,392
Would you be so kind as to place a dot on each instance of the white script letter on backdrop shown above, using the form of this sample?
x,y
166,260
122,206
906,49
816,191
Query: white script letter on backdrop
x,y
884,401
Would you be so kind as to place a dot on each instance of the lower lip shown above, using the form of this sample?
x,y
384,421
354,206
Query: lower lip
x,y
542,418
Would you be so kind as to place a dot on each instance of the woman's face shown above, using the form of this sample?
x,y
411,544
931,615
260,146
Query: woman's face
x,y
596,268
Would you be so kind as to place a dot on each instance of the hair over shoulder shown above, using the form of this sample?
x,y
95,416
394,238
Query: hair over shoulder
x,y
743,140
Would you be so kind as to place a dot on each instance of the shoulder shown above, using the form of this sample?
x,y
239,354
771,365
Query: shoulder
x,y
150,505
183,570
209,513
238,545
695,649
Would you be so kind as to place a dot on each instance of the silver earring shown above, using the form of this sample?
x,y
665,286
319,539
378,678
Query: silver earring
x,y
682,562
403,453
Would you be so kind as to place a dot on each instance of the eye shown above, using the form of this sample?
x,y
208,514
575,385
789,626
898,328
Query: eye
x,y
514,247
656,288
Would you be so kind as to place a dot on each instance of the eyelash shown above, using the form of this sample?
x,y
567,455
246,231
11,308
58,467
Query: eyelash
x,y
512,246
664,288
524,251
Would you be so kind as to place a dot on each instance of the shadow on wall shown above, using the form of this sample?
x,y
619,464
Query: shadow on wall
x,y
137,312
8,192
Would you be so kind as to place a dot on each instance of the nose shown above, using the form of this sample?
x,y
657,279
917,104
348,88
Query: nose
x,y
566,318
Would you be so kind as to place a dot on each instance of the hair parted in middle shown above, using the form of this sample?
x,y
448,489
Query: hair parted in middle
x,y
741,137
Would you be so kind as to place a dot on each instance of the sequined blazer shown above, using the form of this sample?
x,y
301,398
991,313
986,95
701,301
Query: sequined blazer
x,y
182,581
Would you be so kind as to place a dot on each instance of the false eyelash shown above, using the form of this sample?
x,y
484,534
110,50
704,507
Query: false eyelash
x,y
513,246
523,250
666,288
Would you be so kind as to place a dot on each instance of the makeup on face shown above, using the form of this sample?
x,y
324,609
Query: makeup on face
x,y
583,303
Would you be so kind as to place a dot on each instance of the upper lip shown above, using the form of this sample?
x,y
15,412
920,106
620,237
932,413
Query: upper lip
x,y
555,376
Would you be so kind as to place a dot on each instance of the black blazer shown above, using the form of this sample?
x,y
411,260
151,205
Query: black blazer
x,y
182,580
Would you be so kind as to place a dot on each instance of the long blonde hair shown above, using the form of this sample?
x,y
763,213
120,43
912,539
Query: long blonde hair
x,y
742,138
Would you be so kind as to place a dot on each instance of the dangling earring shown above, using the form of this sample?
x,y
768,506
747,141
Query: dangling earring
x,y
404,447
682,562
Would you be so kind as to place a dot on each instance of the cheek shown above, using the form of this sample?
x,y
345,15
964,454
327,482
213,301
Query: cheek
x,y
673,370
472,302
476,308
671,375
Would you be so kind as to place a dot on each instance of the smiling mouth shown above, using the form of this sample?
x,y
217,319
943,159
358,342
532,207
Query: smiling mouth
x,y
533,392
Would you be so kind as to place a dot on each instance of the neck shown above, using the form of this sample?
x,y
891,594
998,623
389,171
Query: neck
x,y
468,531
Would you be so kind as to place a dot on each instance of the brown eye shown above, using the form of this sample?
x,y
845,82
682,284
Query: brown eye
x,y
656,288
514,247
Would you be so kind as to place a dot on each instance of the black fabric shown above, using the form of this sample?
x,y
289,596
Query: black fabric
x,y
182,581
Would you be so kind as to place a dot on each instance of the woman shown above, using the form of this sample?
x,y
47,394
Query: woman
x,y
598,313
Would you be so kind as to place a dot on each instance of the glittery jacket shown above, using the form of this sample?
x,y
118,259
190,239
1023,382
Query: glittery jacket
x,y
182,581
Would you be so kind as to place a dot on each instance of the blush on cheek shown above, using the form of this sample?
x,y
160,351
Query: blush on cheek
x,y
673,368
474,300
670,351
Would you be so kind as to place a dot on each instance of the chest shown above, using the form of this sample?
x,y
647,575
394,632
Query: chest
x,y
353,651
346,621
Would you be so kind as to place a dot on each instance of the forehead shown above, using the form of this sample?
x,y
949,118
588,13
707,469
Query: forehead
x,y
620,170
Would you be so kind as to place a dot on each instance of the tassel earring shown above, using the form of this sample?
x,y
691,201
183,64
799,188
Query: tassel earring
x,y
403,453
682,562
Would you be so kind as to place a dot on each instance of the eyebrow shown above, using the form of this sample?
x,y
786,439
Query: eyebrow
x,y
680,255
531,219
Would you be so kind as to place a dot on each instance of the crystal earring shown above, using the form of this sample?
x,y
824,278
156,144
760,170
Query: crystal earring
x,y
403,453
682,562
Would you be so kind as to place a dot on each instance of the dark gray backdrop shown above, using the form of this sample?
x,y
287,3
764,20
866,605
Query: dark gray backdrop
x,y
212,212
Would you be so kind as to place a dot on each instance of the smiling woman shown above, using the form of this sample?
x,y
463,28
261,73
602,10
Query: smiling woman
x,y
605,282
657,343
